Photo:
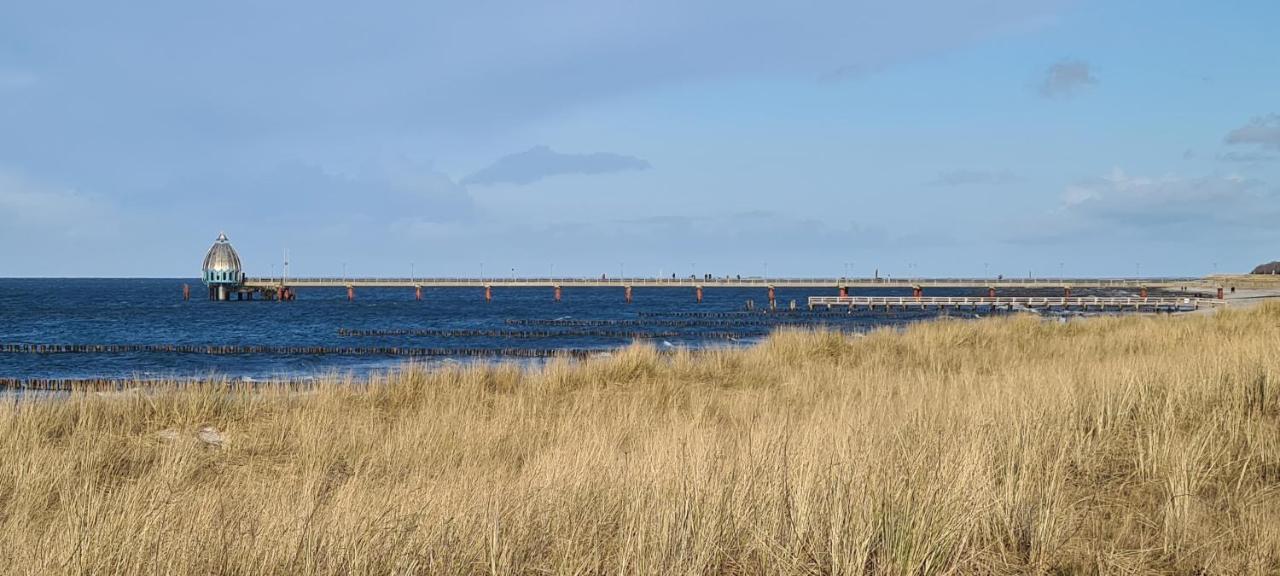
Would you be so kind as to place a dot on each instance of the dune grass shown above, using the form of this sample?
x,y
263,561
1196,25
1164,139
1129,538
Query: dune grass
x,y
1005,446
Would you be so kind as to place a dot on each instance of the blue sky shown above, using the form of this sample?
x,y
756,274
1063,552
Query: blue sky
x,y
913,137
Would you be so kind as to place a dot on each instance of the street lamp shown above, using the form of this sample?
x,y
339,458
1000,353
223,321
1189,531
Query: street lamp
x,y
412,272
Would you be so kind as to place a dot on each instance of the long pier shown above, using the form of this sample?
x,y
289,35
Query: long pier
x,y
727,282
285,288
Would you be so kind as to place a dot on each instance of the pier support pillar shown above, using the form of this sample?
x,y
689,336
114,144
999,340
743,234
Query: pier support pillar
x,y
186,292
697,294
222,293
557,292
626,294
351,293
417,293
488,293
773,299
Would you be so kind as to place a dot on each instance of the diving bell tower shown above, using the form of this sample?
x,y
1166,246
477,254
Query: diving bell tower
x,y
222,272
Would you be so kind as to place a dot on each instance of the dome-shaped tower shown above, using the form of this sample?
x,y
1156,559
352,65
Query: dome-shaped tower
x,y
222,268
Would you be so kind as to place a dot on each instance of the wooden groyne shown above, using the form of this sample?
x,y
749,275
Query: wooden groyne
x,y
241,349
525,334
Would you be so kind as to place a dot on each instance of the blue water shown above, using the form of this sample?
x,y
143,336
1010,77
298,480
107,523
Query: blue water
x,y
151,311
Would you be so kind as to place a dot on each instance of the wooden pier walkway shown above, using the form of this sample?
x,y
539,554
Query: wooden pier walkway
x,y
1085,303
729,282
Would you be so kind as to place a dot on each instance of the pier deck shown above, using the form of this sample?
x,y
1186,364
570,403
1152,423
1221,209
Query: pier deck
x,y
649,282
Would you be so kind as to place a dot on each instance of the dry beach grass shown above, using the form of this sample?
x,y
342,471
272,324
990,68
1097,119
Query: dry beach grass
x,y
1006,446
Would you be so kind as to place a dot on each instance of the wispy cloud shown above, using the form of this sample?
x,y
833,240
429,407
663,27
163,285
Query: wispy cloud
x,y
1064,78
1247,157
973,178
1262,131
1137,200
542,162
27,205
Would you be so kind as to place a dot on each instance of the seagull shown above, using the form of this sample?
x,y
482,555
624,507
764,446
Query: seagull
x,y
665,343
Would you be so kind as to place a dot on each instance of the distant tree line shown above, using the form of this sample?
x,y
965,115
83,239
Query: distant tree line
x,y
1272,267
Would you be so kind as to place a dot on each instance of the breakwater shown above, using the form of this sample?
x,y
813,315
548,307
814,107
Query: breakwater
x,y
240,349
531,334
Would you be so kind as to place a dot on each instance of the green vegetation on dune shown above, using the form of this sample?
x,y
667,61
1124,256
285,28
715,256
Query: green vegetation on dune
x,y
1002,446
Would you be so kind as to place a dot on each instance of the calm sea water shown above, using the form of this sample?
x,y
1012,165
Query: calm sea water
x,y
151,311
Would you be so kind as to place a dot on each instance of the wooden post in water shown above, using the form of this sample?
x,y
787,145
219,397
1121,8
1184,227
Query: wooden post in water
x,y
488,293
557,292
697,293
417,293
186,292
626,295
773,301
351,293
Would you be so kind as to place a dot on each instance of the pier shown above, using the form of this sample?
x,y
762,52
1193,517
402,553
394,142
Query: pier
x,y
226,280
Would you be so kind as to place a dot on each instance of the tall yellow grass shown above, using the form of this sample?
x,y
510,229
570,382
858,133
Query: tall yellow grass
x,y
1011,446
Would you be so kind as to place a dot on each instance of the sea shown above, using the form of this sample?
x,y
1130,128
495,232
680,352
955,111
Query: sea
x,y
143,329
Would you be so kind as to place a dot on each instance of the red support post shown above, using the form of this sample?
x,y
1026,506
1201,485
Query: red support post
x,y
844,291
697,293
351,293
488,293
557,292
1220,294
186,292
1066,291
627,294
991,292
917,292
1143,292
417,293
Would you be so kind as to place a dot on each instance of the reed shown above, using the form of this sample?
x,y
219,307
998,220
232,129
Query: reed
x,y
1005,446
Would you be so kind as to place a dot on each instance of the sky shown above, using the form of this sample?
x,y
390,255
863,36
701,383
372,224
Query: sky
x,y
587,137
